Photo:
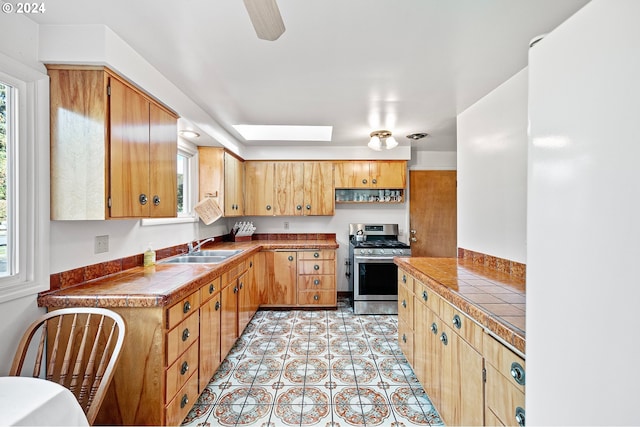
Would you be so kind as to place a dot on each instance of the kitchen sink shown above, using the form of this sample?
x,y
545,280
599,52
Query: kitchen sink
x,y
202,257
213,252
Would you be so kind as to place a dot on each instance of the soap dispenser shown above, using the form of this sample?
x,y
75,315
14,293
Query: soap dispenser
x,y
149,256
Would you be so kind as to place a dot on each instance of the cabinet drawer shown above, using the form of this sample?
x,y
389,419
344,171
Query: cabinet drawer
x,y
470,331
405,280
180,310
320,298
208,291
181,337
405,306
179,407
426,296
316,267
318,254
181,370
405,340
502,397
325,282
506,362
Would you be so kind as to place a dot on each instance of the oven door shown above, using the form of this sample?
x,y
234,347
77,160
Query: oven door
x,y
375,279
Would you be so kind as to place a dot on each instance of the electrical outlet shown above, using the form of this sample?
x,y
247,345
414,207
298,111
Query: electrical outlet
x,y
286,225
101,244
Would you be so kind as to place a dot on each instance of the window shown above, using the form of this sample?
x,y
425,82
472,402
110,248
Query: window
x,y
6,143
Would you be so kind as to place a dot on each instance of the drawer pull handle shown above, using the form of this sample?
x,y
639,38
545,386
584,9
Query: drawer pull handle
x,y
424,295
185,334
316,267
517,372
316,297
434,328
520,416
457,322
184,401
404,303
186,307
444,338
290,258
404,338
316,282
211,288
217,305
184,368
404,278
316,255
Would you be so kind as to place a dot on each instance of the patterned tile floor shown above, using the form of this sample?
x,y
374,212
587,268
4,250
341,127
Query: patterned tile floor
x,y
315,368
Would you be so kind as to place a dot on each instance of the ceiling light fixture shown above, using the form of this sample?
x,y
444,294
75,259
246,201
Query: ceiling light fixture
x,y
189,134
380,138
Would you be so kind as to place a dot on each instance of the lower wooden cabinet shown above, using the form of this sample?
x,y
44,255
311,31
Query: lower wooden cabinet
x,y
210,310
316,281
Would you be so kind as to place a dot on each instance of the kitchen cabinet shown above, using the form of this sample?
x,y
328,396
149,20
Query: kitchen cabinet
x,y
317,278
113,148
248,294
505,385
232,285
406,316
210,309
381,174
281,282
289,188
221,176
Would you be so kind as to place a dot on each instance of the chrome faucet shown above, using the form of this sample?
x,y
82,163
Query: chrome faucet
x,y
198,245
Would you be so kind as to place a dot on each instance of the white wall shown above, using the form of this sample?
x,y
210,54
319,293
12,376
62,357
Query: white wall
x,y
492,172
583,343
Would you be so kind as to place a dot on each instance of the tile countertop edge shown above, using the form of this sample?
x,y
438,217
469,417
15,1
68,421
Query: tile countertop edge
x,y
62,298
489,321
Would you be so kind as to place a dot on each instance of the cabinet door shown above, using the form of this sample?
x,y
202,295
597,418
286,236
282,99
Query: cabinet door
x,y
229,318
163,153
209,340
318,188
427,350
129,152
244,303
388,174
211,174
289,188
259,188
233,186
283,288
351,174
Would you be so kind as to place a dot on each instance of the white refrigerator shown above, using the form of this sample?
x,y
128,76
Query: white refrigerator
x,y
583,220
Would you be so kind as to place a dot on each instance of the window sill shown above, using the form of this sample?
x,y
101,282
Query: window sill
x,y
146,222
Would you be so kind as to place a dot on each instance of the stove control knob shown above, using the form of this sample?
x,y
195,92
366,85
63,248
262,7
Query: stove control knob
x,y
370,251
382,251
395,251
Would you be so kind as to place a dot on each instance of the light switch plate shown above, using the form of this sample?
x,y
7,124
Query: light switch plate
x,y
101,244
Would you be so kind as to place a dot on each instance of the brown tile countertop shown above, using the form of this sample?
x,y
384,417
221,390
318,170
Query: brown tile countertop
x,y
163,284
494,299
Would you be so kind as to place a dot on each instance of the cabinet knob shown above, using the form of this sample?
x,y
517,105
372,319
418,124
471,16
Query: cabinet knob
x,y
517,372
184,401
290,258
156,200
424,295
235,289
299,207
185,334
316,282
211,288
519,416
241,285
404,278
184,368
457,322
434,328
316,255
217,305
364,181
250,264
316,267
413,239
444,339
308,207
268,207
374,181
404,303
316,297
186,307
143,199
404,338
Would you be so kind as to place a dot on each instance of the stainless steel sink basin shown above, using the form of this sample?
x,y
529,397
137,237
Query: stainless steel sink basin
x,y
218,252
202,257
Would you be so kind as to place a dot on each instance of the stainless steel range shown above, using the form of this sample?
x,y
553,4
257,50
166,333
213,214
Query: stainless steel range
x,y
373,274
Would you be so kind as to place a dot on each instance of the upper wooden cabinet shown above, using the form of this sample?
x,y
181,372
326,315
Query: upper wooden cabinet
x,y
113,148
221,176
371,174
289,188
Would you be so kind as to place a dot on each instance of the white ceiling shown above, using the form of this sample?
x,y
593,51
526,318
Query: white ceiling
x,y
358,65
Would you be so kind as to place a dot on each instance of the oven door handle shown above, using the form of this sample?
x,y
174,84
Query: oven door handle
x,y
376,258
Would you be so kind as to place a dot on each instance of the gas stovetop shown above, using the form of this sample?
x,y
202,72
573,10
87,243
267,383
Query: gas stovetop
x,y
380,244
381,248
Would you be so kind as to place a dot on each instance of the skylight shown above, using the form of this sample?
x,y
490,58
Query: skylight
x,y
284,133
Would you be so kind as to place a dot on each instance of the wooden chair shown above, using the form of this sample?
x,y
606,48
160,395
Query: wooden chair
x,y
82,347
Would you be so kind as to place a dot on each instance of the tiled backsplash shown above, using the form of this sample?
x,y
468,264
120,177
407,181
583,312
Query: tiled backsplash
x,y
513,268
79,275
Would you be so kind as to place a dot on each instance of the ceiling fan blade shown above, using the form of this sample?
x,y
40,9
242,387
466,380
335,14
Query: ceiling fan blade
x,y
266,19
